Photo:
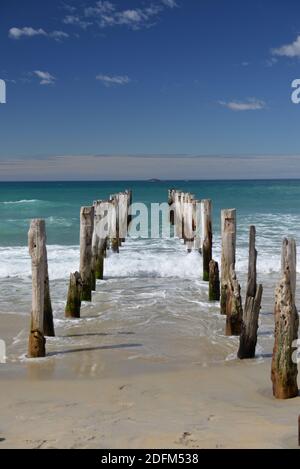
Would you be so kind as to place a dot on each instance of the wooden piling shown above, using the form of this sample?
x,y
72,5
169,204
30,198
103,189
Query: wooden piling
x,y
197,225
86,236
178,214
37,249
123,215
48,312
228,229
73,305
234,308
206,210
188,222
284,369
101,232
129,211
248,338
114,229
171,205
94,259
214,281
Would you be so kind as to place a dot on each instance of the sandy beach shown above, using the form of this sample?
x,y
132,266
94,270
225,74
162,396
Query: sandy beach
x,y
103,398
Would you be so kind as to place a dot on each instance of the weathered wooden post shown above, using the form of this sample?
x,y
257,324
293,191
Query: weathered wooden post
x,y
248,338
284,369
171,205
182,203
231,301
234,308
178,215
197,225
228,231
37,249
214,281
206,210
86,236
129,212
114,229
188,223
48,312
123,215
95,242
73,305
101,233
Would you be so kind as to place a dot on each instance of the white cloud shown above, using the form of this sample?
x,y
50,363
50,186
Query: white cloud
x,y
27,31
250,104
58,35
75,20
288,50
170,3
105,14
45,77
17,33
271,61
113,80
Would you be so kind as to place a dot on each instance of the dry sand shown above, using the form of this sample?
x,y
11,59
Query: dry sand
x,y
138,403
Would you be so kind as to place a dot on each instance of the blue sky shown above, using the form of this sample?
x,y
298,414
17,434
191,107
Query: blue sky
x,y
196,77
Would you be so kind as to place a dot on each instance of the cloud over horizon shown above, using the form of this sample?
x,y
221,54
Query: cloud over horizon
x,y
250,104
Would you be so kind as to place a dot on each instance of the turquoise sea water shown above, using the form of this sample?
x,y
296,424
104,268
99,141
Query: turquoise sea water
x,y
271,205
153,286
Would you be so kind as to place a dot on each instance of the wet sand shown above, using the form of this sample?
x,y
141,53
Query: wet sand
x,y
106,397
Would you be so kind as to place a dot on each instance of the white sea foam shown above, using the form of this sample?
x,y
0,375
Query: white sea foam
x,y
136,259
16,262
23,201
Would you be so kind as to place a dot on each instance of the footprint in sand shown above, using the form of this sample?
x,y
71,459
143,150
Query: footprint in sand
x,y
186,440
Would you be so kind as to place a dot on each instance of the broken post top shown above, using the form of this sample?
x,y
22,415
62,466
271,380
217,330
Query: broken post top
x,y
86,213
252,282
289,262
228,228
229,214
37,239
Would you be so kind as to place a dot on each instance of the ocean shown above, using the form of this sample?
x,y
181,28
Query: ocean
x,y
153,288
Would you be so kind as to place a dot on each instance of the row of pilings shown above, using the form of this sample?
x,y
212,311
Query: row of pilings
x,y
192,220
103,226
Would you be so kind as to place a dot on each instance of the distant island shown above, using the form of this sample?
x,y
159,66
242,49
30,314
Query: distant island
x,y
154,180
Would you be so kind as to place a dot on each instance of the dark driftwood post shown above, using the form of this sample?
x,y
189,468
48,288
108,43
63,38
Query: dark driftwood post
x,y
48,313
206,209
234,308
37,249
228,228
74,296
171,205
284,369
86,236
129,211
214,281
248,339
